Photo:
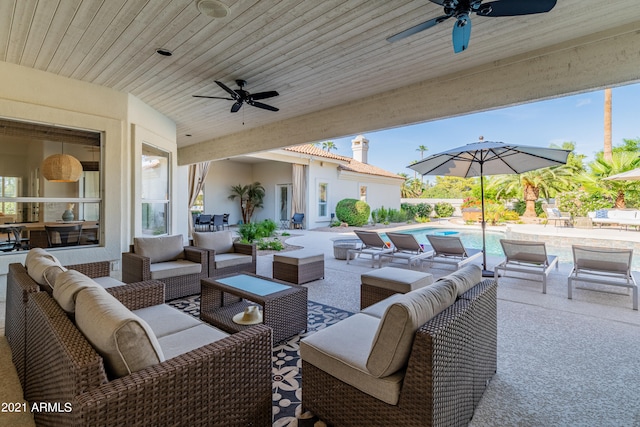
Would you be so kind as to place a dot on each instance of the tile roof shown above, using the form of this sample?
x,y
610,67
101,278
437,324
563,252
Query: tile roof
x,y
351,165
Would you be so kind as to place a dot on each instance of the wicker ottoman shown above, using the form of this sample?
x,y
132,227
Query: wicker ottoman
x,y
298,266
384,282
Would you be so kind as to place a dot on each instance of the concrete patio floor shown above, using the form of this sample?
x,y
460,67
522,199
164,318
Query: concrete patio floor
x,y
561,362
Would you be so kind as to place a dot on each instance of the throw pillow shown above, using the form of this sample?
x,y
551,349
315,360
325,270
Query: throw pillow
x,y
465,278
37,262
67,286
602,213
124,340
159,249
393,340
50,275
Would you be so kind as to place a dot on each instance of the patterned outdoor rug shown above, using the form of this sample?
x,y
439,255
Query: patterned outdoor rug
x,y
287,390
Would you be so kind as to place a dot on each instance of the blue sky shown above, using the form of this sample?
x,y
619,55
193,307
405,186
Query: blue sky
x,y
576,118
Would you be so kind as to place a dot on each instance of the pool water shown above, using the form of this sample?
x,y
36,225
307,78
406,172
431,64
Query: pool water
x,y
470,238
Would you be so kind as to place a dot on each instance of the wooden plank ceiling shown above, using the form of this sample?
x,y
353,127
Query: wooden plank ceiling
x,y
316,54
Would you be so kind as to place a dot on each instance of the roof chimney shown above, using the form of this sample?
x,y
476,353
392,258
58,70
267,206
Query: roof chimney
x,y
360,147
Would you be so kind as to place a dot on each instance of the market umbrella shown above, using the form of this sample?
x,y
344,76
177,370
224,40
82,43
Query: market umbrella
x,y
632,175
489,158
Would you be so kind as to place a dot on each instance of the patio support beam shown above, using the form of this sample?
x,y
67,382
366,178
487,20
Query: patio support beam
x,y
596,61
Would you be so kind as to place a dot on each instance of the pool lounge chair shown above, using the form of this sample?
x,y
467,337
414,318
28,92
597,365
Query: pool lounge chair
x,y
407,249
556,216
450,250
372,245
605,266
523,256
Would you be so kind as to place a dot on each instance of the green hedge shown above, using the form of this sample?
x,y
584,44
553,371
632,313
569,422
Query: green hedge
x,y
353,212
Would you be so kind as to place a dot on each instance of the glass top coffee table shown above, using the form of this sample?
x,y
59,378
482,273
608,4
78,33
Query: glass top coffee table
x,y
284,306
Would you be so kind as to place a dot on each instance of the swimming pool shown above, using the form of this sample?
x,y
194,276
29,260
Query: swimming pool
x,y
470,238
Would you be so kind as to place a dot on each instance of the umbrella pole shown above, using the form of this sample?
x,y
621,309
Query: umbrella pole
x,y
485,272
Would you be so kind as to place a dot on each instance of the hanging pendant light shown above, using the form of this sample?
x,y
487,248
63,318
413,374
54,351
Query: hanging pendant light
x,y
61,168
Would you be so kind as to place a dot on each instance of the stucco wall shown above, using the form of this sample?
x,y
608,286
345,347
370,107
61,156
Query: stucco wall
x,y
41,97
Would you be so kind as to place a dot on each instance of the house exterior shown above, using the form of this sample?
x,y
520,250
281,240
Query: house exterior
x,y
328,178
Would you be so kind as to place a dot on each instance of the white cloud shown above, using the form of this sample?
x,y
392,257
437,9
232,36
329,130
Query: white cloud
x,y
582,102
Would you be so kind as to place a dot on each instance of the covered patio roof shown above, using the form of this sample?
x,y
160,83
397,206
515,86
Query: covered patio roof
x,y
335,71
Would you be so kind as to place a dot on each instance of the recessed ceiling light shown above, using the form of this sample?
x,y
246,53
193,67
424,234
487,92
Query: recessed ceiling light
x,y
212,8
164,52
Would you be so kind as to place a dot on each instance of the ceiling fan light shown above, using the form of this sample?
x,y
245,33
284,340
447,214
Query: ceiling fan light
x,y
61,168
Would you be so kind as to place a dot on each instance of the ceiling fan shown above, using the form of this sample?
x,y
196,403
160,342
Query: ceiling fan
x,y
461,9
240,96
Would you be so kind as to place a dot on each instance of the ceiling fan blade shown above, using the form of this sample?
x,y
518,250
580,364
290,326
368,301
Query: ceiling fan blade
x,y
418,28
236,107
516,7
233,93
263,106
212,97
461,33
264,95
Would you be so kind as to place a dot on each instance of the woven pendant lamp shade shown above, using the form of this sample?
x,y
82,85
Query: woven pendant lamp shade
x,y
61,168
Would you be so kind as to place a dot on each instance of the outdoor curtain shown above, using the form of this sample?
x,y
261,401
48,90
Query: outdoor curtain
x,y
299,189
197,174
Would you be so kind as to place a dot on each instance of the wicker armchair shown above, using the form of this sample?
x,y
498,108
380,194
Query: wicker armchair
x,y
224,255
190,389
138,267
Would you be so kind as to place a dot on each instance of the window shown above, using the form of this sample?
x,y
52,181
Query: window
x,y
323,199
363,193
9,188
28,200
155,190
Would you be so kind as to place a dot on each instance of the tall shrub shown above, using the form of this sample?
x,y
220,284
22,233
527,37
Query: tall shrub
x,y
353,212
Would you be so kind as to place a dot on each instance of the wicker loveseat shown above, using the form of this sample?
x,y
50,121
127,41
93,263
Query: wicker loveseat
x,y
166,259
375,369
190,385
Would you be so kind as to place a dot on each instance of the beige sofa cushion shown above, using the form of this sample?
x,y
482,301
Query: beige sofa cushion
x,y
124,340
67,286
189,339
159,249
37,262
341,351
166,320
220,241
392,344
232,260
181,267
465,278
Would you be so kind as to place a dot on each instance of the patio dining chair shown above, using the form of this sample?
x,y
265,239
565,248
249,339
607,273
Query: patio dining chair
x,y
406,248
372,245
604,266
450,250
217,222
204,223
528,257
297,221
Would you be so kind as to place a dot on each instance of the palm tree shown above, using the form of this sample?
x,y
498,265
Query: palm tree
x,y
329,145
422,149
543,182
621,161
607,125
251,197
410,187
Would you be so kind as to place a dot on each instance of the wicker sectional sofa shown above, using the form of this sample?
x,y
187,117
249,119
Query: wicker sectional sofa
x,y
194,374
388,365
